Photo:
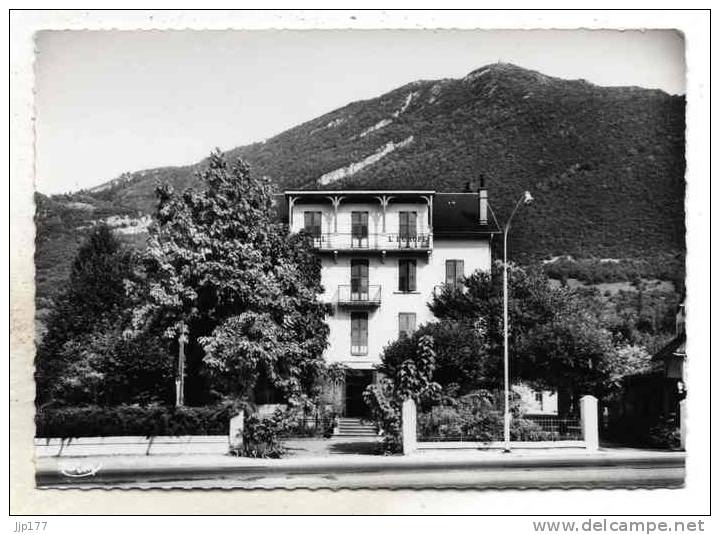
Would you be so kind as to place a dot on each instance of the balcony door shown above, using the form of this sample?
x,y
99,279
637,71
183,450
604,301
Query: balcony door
x,y
359,222
313,226
408,230
359,279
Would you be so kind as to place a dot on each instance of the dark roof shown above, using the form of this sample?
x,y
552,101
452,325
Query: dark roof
x,y
675,347
455,215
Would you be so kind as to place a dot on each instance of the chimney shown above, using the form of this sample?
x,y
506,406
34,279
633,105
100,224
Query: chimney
x,y
483,202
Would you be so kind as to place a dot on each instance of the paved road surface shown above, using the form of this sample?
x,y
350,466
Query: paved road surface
x,y
624,474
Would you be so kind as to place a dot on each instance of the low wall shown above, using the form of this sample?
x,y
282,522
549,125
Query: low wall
x,y
524,445
133,445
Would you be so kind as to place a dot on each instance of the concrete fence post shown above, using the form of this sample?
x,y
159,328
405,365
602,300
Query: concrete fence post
x,y
409,427
235,434
683,423
589,422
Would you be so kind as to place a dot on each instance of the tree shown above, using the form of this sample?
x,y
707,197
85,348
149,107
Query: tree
x,y
410,378
224,273
554,341
106,368
463,362
95,297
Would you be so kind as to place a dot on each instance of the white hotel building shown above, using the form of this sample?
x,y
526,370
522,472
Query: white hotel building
x,y
383,255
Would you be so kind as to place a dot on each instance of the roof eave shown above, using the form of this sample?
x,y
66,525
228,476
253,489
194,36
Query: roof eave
x,y
361,192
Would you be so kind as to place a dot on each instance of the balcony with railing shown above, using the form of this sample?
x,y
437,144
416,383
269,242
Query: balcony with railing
x,y
373,242
359,296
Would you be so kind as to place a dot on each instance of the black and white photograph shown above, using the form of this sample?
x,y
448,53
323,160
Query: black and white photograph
x,y
360,259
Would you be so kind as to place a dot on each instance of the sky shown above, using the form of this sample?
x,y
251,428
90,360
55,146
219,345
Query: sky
x,y
109,102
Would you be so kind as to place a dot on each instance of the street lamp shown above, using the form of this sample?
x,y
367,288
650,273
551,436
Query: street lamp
x,y
525,199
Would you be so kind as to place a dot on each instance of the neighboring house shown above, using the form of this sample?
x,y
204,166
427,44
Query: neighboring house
x,y
651,397
673,356
536,402
383,255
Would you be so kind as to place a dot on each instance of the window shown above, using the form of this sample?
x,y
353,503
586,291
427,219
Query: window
x,y
408,229
313,225
406,324
407,276
454,272
359,280
359,333
359,221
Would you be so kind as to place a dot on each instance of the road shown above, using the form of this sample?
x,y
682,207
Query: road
x,y
627,474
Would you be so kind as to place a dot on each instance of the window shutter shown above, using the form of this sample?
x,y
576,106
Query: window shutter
x,y
412,224
313,223
406,324
460,270
412,276
359,224
449,272
402,276
358,332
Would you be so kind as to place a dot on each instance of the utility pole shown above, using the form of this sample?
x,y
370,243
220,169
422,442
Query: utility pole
x,y
525,199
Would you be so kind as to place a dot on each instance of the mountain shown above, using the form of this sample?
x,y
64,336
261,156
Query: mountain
x,y
605,164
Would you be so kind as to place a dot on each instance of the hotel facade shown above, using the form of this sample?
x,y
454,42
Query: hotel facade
x,y
384,254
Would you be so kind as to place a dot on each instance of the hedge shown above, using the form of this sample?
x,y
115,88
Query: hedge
x,y
133,420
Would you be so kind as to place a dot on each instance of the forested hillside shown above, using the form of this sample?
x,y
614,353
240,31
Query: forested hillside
x,y
605,165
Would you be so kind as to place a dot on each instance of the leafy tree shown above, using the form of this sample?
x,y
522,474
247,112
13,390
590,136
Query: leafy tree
x,y
409,379
462,360
95,297
106,368
221,271
554,342
625,360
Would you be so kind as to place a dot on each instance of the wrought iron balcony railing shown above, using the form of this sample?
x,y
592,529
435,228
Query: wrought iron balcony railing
x,y
362,296
338,241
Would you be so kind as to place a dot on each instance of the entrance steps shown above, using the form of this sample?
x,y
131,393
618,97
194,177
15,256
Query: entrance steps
x,y
355,427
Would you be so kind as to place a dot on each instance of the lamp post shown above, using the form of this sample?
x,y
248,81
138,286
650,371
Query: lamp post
x,y
525,199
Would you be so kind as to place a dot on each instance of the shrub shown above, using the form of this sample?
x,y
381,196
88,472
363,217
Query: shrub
x,y
479,417
409,379
129,420
652,432
315,421
385,414
664,435
261,436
